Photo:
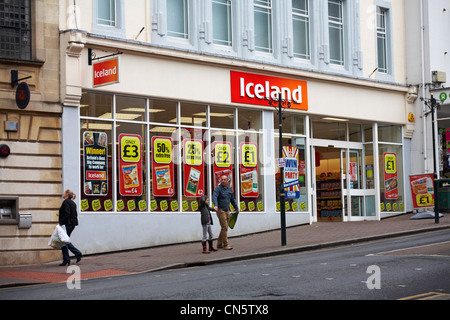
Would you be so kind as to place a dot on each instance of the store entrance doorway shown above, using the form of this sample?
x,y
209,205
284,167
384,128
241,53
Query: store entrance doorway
x,y
329,183
338,182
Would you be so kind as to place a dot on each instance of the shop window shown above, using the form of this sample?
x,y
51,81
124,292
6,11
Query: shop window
x,y
194,167
354,132
96,105
389,133
164,150
222,117
292,123
251,179
391,178
368,132
223,148
249,119
131,193
96,166
193,115
369,166
330,130
163,111
293,147
129,108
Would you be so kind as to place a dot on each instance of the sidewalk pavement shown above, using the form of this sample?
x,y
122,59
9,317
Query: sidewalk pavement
x,y
301,238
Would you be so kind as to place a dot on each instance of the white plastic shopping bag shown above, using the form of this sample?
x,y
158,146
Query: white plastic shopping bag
x,y
59,238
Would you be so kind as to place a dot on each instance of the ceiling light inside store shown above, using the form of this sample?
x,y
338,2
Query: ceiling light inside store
x,y
163,129
214,114
335,119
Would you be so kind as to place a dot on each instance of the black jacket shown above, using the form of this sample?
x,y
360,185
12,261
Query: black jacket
x,y
68,213
205,211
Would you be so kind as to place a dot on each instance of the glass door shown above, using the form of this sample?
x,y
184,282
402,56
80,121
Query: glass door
x,y
353,192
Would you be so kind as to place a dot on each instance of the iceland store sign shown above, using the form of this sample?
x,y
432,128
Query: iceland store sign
x,y
257,89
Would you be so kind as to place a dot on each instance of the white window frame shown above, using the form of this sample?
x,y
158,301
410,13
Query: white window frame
x,y
229,27
257,5
304,17
340,25
115,31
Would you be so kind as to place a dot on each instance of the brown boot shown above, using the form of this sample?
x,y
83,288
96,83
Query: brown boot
x,y
211,247
205,250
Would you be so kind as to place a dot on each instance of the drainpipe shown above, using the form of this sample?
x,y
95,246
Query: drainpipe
x,y
424,109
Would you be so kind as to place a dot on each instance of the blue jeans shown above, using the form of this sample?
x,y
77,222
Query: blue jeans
x,y
70,246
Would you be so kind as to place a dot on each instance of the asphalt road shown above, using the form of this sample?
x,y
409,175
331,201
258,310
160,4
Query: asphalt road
x,y
410,267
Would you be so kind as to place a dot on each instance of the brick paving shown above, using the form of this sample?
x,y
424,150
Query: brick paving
x,y
301,238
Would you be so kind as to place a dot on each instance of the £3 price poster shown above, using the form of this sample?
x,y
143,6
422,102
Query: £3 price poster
x,y
130,165
249,170
193,168
163,174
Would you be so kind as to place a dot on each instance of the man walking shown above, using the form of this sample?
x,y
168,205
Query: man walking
x,y
222,197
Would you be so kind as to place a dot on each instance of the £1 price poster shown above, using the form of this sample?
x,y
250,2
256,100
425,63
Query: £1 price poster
x,y
223,159
390,176
249,170
193,168
163,173
130,165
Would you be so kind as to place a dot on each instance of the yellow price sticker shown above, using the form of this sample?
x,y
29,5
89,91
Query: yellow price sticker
x,y
162,150
424,200
222,155
249,155
390,163
130,149
96,205
193,153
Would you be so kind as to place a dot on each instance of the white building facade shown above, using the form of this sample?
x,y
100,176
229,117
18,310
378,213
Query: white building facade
x,y
161,97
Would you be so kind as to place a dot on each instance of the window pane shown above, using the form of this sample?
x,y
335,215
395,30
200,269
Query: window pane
x,y
336,44
132,185
221,117
249,120
129,108
96,105
389,133
301,37
15,29
96,166
292,123
263,26
222,22
300,20
391,182
163,111
106,12
193,114
336,32
329,130
177,18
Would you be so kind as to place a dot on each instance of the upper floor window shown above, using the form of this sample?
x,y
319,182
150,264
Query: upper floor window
x,y
336,31
300,21
177,18
106,14
382,48
15,29
263,25
222,22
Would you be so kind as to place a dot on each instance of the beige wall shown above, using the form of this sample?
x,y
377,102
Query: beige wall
x,y
33,170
